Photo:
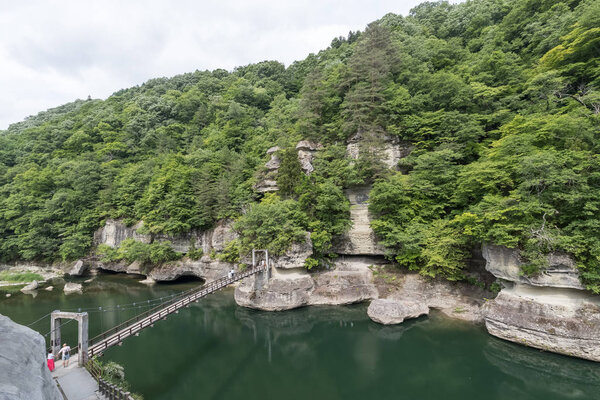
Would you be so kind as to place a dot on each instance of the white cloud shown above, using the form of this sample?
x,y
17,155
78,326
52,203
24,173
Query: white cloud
x,y
52,52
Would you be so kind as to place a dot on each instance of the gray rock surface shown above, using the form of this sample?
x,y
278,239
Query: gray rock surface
x,y
360,239
457,300
115,231
392,311
23,364
550,311
293,288
287,289
505,263
78,268
390,149
348,282
306,153
71,287
563,321
205,268
30,287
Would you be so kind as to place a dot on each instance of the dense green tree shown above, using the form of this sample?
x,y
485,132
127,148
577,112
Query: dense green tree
x,y
498,102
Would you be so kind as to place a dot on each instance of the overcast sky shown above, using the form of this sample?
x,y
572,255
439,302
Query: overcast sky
x,y
55,51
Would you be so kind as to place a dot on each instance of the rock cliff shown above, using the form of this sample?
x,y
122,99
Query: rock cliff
x,y
211,241
23,364
551,311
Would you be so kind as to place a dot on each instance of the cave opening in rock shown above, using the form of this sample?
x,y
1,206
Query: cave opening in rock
x,y
187,279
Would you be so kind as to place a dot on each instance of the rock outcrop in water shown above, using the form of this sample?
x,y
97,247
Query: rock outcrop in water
x,y
23,364
415,295
349,282
551,311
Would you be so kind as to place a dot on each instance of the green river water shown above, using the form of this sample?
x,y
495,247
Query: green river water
x,y
217,350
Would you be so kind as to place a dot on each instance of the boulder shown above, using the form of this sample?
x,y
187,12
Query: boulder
x,y
564,321
30,287
391,311
347,283
49,288
273,149
148,281
287,289
505,263
71,287
8,295
78,268
274,163
458,300
135,267
23,364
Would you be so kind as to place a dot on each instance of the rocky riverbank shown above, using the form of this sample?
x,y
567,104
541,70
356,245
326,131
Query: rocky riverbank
x,y
551,311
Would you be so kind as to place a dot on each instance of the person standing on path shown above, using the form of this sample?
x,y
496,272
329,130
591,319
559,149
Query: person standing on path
x,y
51,361
66,354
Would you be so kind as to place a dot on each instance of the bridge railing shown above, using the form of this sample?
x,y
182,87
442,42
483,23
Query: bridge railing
x,y
145,319
107,389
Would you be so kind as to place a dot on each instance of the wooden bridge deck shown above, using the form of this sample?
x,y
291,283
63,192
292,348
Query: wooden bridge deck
x,y
133,326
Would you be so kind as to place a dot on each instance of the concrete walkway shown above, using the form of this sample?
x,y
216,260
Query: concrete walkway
x,y
75,382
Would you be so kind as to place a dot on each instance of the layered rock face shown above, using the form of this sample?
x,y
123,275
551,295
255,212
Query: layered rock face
x,y
212,240
551,311
349,282
23,364
415,295
360,239
390,149
268,181
115,231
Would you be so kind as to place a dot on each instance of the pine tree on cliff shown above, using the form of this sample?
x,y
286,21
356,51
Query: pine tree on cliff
x,y
370,71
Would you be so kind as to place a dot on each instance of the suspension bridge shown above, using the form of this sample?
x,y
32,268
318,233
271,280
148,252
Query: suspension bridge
x,y
87,349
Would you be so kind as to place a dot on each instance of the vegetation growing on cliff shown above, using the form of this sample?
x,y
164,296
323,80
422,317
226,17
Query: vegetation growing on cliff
x,y
499,100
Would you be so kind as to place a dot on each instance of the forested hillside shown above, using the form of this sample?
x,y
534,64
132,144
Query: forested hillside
x,y
499,98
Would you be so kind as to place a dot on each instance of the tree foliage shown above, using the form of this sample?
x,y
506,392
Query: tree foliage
x,y
498,100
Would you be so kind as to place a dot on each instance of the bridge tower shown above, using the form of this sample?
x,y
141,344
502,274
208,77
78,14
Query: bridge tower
x,y
82,333
262,277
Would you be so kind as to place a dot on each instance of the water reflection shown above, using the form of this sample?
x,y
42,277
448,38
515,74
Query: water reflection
x,y
542,372
217,350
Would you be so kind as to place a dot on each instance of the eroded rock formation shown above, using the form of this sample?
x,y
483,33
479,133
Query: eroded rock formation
x,y
346,283
211,241
551,311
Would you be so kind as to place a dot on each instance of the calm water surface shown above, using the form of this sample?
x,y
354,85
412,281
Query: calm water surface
x,y
217,350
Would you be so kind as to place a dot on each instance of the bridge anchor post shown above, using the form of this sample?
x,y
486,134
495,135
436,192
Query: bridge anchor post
x,y
82,333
